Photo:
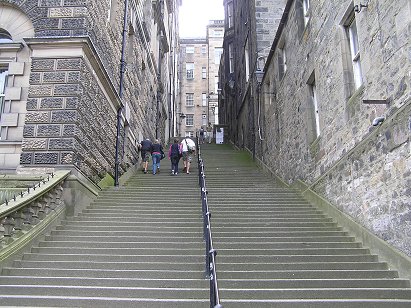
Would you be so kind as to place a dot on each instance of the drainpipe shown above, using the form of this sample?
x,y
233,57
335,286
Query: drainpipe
x,y
159,71
120,109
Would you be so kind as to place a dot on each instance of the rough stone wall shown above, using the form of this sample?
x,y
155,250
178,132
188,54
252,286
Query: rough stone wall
x,y
363,170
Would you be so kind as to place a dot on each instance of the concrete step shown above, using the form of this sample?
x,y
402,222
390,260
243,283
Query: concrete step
x,y
103,302
116,251
101,273
194,245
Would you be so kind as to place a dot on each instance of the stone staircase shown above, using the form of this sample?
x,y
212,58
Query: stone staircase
x,y
137,246
141,246
276,250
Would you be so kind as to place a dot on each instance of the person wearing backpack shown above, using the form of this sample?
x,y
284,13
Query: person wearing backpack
x,y
174,153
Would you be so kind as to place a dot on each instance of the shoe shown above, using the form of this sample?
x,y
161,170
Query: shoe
x,y
188,172
172,172
158,170
145,171
184,169
176,173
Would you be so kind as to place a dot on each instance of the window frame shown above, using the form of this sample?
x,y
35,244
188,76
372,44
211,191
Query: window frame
x,y
190,49
204,72
230,15
190,70
189,99
354,48
189,118
3,84
204,99
231,58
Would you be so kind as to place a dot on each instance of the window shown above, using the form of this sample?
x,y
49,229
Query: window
x,y
189,134
314,106
189,99
282,61
246,62
189,49
3,84
189,119
230,17
204,49
306,11
204,72
190,70
231,57
218,33
204,99
351,30
5,37
217,55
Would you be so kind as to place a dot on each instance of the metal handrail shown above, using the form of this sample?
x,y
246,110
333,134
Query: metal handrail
x,y
210,252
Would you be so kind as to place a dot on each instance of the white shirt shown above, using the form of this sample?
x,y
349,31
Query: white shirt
x,y
189,142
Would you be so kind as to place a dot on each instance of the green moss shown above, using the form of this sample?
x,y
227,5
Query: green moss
x,y
107,181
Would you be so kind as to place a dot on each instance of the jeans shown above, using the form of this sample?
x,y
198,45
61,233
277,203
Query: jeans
x,y
156,162
174,164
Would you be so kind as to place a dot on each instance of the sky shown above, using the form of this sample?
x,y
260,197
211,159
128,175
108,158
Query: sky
x,y
195,14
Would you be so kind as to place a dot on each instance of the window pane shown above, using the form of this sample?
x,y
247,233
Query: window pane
x,y
190,70
3,84
189,120
190,99
204,72
190,49
204,99
217,55
5,37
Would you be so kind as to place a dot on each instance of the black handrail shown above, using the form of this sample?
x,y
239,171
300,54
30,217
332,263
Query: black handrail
x,y
210,252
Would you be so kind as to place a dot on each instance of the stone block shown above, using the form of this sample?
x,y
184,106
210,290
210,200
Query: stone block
x,y
9,119
64,116
72,102
31,104
79,11
29,131
34,144
54,77
61,144
50,130
40,90
35,78
46,23
67,89
42,65
49,3
73,23
60,12
69,64
46,158
26,158
12,93
51,103
67,158
16,68
74,2
37,117
73,77
69,130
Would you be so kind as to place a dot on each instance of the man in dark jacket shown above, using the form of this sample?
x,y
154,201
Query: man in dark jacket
x,y
145,147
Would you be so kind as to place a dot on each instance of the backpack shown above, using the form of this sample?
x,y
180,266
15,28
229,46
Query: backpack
x,y
175,150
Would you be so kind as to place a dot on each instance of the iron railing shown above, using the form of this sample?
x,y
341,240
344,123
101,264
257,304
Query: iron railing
x,y
210,252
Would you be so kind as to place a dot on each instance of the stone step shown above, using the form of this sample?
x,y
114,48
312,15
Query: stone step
x,y
193,245
103,302
121,251
65,256
106,282
102,273
92,264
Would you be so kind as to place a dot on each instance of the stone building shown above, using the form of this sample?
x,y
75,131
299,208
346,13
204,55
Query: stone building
x,y
74,71
250,27
334,109
199,62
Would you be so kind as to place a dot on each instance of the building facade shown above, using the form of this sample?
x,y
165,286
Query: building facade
x,y
199,63
82,81
250,27
334,109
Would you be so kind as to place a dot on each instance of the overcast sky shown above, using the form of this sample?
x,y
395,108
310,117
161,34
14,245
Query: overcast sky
x,y
195,14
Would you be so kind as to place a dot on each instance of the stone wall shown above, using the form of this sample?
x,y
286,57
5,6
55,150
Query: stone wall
x,y
363,170
74,90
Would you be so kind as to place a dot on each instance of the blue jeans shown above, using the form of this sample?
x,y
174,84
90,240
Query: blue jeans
x,y
156,162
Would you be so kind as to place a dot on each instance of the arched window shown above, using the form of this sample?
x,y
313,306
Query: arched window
x,y
5,37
